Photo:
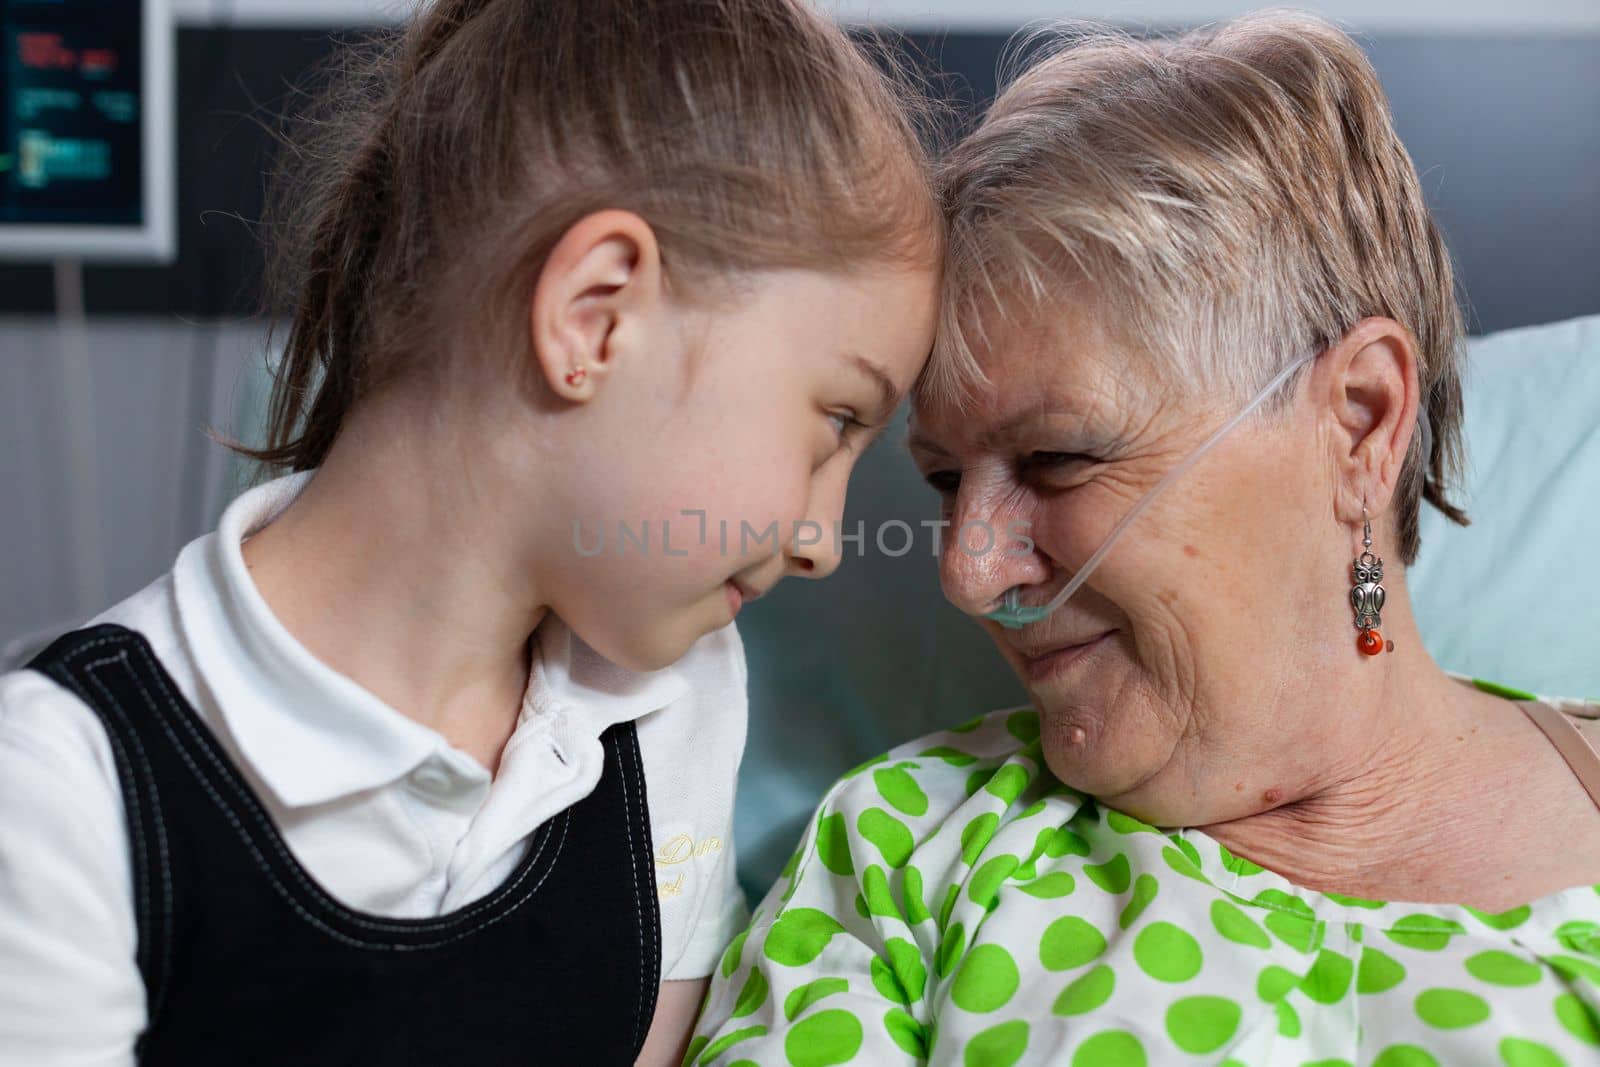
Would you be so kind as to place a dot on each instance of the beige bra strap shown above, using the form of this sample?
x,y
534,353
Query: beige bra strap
x,y
1574,747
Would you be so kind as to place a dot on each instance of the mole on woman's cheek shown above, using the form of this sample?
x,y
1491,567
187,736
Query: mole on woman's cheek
x,y
1191,551
1273,795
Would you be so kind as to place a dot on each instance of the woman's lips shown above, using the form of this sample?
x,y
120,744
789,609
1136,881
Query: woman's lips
x,y
1057,660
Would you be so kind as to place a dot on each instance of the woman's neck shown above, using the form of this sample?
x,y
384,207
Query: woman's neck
x,y
1437,793
386,569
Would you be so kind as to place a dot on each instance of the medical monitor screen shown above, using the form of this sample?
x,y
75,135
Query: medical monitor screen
x,y
82,128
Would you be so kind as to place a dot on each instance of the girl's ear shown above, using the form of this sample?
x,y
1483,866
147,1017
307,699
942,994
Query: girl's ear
x,y
604,271
1372,398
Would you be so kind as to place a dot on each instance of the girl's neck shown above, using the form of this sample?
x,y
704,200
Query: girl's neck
x,y
387,569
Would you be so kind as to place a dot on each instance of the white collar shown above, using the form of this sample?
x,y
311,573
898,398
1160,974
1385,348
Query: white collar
x,y
314,735
568,674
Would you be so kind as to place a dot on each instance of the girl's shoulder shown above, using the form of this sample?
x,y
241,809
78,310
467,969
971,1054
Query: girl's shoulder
x,y
38,712
58,775
42,720
67,914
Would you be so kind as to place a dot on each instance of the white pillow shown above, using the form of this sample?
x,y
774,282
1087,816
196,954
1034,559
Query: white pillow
x,y
1515,597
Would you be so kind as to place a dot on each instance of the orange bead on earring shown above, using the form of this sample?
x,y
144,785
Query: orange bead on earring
x,y
576,376
1371,642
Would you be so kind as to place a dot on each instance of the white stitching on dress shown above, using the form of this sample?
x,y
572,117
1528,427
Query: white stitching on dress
x,y
640,901
633,870
129,785
651,899
91,670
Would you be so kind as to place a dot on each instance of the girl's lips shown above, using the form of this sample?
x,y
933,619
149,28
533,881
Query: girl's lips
x,y
747,593
740,594
1057,660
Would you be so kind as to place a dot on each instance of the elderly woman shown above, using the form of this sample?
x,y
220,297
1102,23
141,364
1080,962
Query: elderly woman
x,y
1239,758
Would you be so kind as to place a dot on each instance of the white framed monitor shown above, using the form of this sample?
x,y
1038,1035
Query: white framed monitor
x,y
86,130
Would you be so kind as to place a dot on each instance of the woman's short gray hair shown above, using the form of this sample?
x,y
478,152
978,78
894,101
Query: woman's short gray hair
x,y
1226,200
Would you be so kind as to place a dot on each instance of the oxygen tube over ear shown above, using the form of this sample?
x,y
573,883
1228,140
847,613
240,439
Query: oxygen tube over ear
x,y
1014,615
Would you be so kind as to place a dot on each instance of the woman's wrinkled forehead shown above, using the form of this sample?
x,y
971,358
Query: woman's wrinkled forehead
x,y
1058,371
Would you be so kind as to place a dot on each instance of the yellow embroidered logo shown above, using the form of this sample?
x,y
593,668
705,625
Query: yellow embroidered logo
x,y
678,850
683,848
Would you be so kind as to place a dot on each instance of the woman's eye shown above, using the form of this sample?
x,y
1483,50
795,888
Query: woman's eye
x,y
945,483
1055,460
840,422
1048,465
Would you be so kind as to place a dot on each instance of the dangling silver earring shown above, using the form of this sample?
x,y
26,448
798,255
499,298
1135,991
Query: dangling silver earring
x,y
1367,596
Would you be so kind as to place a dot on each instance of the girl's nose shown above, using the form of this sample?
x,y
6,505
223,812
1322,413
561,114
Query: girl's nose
x,y
814,547
813,560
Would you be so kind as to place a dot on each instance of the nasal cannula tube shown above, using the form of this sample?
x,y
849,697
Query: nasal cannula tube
x,y
1014,615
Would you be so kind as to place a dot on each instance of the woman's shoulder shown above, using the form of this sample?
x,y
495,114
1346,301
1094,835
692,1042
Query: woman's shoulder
x,y
971,806
984,901
1577,707
933,775
1583,712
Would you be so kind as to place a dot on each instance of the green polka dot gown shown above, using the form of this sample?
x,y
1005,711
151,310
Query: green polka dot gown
x,y
952,904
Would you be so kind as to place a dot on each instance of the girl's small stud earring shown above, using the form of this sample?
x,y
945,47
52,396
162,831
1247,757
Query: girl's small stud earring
x,y
576,376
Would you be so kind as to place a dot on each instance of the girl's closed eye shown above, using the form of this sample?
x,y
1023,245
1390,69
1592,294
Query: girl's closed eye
x,y
847,427
842,427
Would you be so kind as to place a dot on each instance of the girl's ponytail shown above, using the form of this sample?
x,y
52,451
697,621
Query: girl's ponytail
x,y
324,259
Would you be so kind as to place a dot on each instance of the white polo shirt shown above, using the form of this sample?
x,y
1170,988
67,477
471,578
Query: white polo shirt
x,y
378,808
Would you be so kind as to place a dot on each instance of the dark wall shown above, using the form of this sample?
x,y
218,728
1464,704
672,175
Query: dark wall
x,y
1505,131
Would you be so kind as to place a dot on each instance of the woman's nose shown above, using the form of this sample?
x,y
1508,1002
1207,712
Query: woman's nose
x,y
985,551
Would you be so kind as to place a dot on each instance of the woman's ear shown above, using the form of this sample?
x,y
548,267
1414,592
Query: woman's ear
x,y
604,272
1372,395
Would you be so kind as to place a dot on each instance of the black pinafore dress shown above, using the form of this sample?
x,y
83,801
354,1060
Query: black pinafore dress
x,y
247,960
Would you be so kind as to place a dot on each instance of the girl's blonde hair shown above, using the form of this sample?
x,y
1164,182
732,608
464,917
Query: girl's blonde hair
x,y
424,191
1229,200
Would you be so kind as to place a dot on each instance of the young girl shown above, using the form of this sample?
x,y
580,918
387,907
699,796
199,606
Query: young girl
x,y
393,767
